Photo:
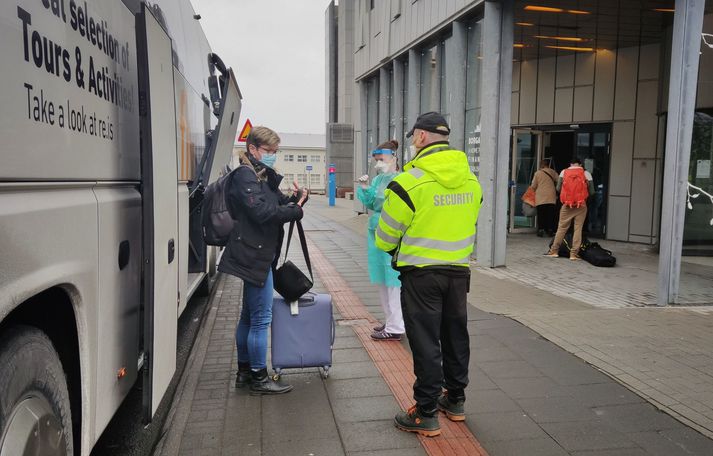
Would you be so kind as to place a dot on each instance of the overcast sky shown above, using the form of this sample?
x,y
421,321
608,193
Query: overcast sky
x,y
276,48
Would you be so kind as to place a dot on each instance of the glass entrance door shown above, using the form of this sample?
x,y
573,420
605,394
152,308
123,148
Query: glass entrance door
x,y
526,154
593,149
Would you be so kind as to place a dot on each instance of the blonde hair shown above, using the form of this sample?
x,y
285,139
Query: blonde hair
x,y
262,136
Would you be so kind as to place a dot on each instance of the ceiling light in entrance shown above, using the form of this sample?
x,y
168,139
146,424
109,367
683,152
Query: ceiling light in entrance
x,y
572,48
518,45
575,39
664,10
525,24
549,9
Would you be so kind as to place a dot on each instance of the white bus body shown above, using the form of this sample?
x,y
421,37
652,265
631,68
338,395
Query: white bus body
x,y
74,197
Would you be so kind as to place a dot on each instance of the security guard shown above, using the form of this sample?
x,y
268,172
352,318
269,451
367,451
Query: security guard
x,y
427,224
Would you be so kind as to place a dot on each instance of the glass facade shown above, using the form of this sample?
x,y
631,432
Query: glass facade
x,y
473,76
430,96
697,252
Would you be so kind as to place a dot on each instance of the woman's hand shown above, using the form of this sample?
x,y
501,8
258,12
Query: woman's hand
x,y
302,200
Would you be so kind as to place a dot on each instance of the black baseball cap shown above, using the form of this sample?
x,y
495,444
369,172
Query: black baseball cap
x,y
431,121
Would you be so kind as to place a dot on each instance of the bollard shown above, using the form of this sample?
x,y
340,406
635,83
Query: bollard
x,y
332,184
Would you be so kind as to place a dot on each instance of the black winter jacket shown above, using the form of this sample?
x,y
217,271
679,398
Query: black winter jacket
x,y
260,210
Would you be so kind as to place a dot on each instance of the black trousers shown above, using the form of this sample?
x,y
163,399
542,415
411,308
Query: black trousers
x,y
547,217
434,303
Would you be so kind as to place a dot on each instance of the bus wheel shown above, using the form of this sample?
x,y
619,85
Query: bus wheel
x,y
35,417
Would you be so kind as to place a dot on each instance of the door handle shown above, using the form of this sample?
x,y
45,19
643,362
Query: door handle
x,y
171,251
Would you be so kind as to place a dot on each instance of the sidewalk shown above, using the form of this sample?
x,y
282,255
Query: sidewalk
x,y
527,396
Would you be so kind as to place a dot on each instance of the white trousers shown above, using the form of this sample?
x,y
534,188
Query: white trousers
x,y
391,304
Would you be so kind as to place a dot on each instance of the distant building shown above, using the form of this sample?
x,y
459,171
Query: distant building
x,y
301,158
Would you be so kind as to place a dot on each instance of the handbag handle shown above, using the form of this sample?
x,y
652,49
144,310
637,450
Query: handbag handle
x,y
303,243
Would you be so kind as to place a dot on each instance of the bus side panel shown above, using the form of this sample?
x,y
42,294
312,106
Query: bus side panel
x,y
70,113
48,237
119,297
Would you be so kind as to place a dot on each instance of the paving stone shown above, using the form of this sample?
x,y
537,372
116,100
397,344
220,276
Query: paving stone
x,y
401,452
490,401
349,355
522,447
360,369
311,447
556,409
529,388
588,436
364,408
491,427
636,418
498,370
376,436
358,387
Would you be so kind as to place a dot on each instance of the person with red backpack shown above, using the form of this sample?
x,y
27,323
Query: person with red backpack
x,y
575,185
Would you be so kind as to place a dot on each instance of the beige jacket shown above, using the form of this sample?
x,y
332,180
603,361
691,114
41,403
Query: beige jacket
x,y
543,182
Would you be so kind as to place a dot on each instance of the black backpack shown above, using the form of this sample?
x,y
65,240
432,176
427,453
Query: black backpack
x,y
216,220
597,255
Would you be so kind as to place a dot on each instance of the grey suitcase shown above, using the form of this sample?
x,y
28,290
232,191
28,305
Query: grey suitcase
x,y
305,339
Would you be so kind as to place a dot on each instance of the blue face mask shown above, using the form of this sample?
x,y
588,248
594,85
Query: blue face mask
x,y
268,160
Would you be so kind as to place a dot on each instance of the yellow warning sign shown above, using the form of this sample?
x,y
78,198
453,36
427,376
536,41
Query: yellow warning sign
x,y
243,136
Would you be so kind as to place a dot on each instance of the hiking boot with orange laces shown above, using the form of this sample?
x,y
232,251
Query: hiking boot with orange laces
x,y
413,420
453,410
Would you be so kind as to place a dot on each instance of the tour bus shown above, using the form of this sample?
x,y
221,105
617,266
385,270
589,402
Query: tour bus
x,y
114,114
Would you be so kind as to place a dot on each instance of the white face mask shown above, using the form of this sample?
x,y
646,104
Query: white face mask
x,y
381,167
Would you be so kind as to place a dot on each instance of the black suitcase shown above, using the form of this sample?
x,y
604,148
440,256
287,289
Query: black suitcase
x,y
598,256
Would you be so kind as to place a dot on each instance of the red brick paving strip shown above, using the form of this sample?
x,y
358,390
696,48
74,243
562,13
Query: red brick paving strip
x,y
392,360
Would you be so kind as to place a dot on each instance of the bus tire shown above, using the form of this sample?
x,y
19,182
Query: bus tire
x,y
34,399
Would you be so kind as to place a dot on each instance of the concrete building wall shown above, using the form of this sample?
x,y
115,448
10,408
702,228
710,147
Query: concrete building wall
x,y
620,87
393,26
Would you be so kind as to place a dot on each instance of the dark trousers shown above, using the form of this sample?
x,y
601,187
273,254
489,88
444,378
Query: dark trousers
x,y
547,217
434,304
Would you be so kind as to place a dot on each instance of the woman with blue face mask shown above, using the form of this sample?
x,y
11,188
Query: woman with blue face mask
x,y
260,210
380,271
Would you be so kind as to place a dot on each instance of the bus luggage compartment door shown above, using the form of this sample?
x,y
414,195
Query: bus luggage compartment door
x,y
160,207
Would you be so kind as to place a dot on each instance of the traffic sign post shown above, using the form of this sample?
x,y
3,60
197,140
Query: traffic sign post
x,y
309,177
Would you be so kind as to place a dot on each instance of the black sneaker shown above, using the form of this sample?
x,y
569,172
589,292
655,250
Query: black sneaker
x,y
263,384
413,421
383,335
453,410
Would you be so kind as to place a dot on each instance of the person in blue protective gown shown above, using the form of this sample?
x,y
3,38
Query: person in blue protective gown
x,y
380,271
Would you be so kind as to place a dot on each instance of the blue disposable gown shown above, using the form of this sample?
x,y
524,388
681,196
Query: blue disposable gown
x,y
380,270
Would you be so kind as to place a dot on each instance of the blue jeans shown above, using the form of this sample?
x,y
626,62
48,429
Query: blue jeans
x,y
255,319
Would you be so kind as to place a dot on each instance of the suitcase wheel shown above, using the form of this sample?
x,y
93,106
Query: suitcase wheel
x,y
325,372
276,376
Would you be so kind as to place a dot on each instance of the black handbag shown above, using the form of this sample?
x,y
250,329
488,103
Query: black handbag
x,y
289,281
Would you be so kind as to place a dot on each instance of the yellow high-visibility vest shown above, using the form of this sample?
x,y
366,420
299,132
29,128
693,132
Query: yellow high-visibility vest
x,y
430,210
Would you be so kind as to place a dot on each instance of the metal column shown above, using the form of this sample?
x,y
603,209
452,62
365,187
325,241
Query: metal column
x,y
384,95
456,59
495,135
687,27
414,87
397,98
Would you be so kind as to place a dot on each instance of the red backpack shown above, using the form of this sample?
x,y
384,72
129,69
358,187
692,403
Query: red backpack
x,y
575,190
